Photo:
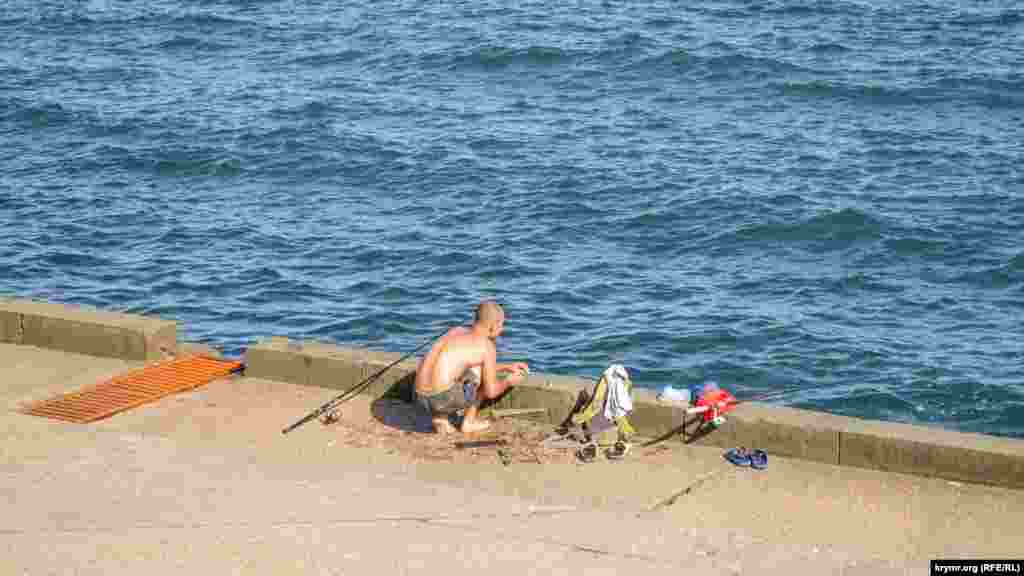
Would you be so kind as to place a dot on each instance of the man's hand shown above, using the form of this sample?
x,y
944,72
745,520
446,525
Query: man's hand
x,y
520,367
516,372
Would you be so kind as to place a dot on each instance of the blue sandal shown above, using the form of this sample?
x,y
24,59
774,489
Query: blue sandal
x,y
759,459
738,456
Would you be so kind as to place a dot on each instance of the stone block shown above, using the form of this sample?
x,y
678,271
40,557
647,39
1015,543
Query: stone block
x,y
398,380
926,451
10,326
334,367
278,359
87,331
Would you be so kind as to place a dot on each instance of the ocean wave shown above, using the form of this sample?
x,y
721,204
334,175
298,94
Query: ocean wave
x,y
83,21
976,19
991,92
916,247
997,277
495,57
635,55
868,93
1004,422
399,295
208,20
36,115
122,75
1016,264
877,403
724,13
829,48
74,260
986,92
313,110
741,65
330,59
189,45
673,57
291,290
867,283
619,49
834,228
663,22
115,127
68,20
198,167
647,221
814,8
13,73
705,341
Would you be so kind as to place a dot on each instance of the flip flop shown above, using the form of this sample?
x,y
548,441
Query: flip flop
x,y
738,456
759,459
587,454
617,451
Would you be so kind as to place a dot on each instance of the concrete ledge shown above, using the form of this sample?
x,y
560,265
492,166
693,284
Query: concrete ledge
x,y
10,325
326,366
781,431
86,331
927,451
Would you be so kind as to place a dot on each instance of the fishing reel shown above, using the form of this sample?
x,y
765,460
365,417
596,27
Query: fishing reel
x,y
716,419
330,417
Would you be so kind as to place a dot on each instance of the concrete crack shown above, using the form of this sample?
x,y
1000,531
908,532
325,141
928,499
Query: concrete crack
x,y
591,550
437,520
685,491
448,521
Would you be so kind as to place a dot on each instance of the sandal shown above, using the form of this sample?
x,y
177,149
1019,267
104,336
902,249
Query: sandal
x,y
617,451
759,459
738,456
587,454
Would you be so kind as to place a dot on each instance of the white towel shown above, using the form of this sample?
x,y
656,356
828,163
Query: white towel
x,y
618,402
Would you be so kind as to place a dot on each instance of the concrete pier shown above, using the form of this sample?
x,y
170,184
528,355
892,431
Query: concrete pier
x,y
205,482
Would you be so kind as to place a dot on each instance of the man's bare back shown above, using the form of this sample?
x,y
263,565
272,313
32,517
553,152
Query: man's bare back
x,y
441,384
449,358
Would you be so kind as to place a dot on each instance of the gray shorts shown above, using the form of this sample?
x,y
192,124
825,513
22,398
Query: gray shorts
x,y
460,396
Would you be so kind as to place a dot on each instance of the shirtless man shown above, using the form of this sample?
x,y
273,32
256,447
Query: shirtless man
x,y
461,370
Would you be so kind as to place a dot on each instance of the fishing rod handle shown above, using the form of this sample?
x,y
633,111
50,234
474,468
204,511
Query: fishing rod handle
x,y
301,421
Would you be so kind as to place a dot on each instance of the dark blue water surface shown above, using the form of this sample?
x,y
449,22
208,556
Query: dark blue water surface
x,y
823,194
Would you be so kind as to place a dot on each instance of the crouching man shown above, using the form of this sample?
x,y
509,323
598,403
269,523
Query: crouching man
x,y
461,371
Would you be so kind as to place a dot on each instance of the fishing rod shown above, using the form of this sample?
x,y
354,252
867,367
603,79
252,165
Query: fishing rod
x,y
772,395
722,405
357,389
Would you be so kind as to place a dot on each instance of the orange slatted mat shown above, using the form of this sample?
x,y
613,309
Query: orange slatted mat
x,y
133,389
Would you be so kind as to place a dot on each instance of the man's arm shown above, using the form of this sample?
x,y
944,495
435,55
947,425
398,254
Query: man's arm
x,y
513,367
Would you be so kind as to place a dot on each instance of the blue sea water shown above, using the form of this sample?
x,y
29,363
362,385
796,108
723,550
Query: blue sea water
x,y
824,194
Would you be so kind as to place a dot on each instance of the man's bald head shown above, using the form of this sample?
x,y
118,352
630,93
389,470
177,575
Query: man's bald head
x,y
488,312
